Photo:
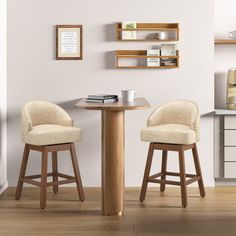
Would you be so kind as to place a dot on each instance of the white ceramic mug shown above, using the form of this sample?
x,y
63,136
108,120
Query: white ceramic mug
x,y
128,95
232,34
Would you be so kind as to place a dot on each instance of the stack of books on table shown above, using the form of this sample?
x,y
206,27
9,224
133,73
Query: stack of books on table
x,y
102,98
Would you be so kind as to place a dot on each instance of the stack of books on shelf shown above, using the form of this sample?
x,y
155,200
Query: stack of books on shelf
x,y
167,51
102,98
153,61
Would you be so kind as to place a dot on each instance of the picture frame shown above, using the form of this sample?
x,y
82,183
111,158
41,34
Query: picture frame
x,y
69,42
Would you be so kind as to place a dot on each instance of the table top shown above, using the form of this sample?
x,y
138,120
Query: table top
x,y
138,103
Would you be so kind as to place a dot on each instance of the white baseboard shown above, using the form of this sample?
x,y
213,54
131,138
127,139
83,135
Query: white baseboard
x,y
3,187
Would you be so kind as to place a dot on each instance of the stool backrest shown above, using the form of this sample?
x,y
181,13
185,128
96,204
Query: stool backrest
x,y
43,112
183,112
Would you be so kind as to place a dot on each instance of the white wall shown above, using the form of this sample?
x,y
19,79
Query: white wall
x,y
225,21
3,88
33,73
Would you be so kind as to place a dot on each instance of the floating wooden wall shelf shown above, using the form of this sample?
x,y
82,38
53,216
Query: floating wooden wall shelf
x,y
225,41
171,29
142,54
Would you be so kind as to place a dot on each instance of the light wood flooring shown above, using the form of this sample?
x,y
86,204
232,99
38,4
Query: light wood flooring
x,y
160,214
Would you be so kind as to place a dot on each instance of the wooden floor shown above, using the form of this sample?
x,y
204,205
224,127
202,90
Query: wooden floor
x,y
160,214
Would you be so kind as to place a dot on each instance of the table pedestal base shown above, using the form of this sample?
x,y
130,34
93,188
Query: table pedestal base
x,y
112,162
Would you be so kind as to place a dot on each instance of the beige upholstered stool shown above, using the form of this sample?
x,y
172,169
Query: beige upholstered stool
x,y
173,126
46,128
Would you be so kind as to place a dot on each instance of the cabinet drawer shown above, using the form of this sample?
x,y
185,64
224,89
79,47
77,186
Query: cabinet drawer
x,y
230,122
230,153
230,137
230,169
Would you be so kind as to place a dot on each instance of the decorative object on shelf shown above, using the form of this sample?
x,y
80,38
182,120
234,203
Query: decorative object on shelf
x,y
137,56
153,61
69,42
168,49
168,62
161,35
232,34
128,95
226,39
165,32
129,28
102,98
231,89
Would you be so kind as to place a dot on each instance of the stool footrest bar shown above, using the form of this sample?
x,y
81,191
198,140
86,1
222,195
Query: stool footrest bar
x,y
65,176
37,183
153,178
159,181
30,181
178,174
37,176
192,180
60,182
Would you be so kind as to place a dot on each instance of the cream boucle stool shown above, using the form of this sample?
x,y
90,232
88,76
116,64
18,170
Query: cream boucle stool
x,y
46,128
173,126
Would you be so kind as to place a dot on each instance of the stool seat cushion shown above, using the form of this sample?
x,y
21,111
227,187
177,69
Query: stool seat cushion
x,y
48,134
169,133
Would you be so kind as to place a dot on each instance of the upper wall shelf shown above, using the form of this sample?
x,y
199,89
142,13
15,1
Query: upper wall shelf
x,y
225,41
148,32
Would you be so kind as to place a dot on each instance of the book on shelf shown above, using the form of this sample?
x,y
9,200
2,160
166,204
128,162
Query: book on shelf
x,y
153,61
168,62
107,100
103,96
168,50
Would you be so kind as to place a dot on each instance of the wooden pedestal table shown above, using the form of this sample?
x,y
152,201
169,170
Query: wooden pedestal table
x,y
113,150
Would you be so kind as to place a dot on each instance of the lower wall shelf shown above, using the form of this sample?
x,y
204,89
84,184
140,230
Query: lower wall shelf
x,y
137,59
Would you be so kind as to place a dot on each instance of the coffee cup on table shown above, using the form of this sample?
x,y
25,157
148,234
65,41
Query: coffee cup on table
x,y
128,95
232,34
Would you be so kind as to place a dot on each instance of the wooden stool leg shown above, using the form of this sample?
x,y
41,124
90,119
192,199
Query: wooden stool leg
x,y
146,172
44,169
54,171
77,172
182,178
22,171
198,171
163,170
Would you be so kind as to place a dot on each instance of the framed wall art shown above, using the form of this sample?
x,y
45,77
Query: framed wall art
x,y
69,40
